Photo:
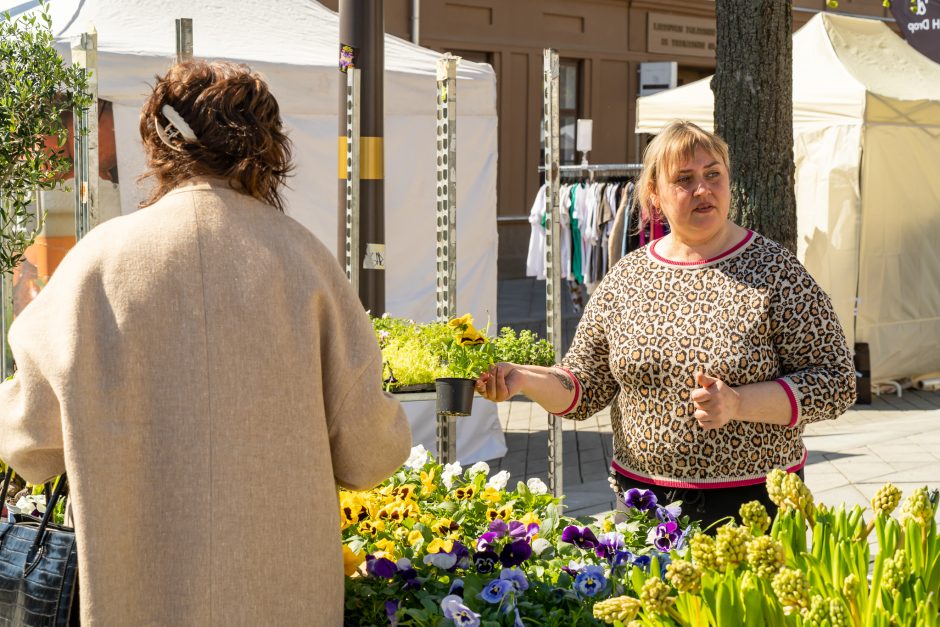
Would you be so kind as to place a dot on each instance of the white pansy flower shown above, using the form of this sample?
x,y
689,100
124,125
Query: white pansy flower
x,y
418,458
499,480
450,471
479,467
536,486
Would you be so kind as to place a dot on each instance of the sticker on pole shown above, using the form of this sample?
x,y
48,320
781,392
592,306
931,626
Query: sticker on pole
x,y
348,57
374,258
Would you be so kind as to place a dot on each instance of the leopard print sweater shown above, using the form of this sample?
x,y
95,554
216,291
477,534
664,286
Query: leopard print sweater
x,y
749,315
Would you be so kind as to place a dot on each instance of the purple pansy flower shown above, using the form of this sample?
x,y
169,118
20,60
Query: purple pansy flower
x,y
573,567
407,572
590,581
499,527
485,561
581,537
391,610
608,544
462,554
669,512
380,567
454,609
515,553
667,536
494,591
640,499
486,540
516,577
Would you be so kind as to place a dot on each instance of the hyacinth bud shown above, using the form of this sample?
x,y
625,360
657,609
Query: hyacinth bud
x,y
796,495
886,499
850,586
817,613
754,515
702,547
731,545
765,556
622,608
684,576
895,571
917,507
775,486
635,623
838,615
655,596
792,589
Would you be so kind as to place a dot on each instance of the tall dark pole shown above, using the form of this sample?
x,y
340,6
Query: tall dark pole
x,y
362,45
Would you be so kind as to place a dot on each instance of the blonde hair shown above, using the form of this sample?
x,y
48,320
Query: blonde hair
x,y
675,144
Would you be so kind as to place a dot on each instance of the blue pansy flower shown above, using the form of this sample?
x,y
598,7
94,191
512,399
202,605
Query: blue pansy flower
x,y
453,608
495,591
516,577
590,581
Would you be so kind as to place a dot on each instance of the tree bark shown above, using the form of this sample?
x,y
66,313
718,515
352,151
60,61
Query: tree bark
x,y
753,89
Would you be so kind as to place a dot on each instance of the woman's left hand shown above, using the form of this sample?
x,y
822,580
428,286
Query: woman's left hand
x,y
716,403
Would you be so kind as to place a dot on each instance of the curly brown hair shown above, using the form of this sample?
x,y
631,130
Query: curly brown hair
x,y
237,123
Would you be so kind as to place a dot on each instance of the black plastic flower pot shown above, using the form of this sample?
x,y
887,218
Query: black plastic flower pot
x,y
454,396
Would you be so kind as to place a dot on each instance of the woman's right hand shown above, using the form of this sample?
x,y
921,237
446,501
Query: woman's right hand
x,y
501,382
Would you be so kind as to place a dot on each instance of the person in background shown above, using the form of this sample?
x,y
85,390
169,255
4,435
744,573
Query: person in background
x,y
207,376
714,344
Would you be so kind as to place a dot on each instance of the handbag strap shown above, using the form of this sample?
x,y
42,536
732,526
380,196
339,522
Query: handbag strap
x,y
7,477
50,507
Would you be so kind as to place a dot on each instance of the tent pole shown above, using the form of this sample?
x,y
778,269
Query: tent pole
x,y
550,87
446,225
85,131
362,46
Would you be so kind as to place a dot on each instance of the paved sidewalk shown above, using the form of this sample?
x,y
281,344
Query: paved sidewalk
x,y
894,439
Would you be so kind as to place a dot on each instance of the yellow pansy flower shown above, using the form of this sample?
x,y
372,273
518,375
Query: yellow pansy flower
x,y
444,526
390,548
491,495
415,537
440,546
469,337
351,561
462,321
464,493
352,508
371,527
403,491
427,482
528,518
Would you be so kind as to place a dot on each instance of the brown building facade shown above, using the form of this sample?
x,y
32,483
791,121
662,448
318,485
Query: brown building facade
x,y
601,44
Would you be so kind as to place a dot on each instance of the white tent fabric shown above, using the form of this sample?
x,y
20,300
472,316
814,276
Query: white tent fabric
x,y
294,44
866,123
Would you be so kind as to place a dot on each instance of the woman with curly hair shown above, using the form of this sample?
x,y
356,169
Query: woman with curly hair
x,y
206,375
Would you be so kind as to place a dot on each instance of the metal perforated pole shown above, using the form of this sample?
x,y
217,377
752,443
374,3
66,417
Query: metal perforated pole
x,y
446,225
184,39
352,177
550,87
85,131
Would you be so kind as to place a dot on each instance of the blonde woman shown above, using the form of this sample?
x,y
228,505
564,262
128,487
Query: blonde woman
x,y
713,344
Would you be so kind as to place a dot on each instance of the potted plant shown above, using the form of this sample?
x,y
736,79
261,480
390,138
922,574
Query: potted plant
x,y
467,354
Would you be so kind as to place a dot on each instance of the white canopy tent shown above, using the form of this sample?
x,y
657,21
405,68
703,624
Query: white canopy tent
x,y
866,123
294,44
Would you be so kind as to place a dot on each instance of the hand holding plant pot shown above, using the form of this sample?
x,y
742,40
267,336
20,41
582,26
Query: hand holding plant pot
x,y
467,355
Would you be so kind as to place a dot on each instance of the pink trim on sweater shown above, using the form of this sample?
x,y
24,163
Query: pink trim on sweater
x,y
658,257
794,407
713,485
577,391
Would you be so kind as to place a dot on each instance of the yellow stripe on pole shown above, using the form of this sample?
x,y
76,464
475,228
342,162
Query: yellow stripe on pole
x,y
371,159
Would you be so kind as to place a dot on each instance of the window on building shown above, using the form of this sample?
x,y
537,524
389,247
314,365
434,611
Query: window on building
x,y
569,107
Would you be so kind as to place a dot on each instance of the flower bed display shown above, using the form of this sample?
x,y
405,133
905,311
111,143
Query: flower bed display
x,y
440,545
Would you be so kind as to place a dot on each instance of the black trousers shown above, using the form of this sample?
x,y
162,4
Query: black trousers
x,y
708,505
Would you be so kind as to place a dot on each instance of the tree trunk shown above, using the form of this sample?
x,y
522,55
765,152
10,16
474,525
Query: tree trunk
x,y
753,89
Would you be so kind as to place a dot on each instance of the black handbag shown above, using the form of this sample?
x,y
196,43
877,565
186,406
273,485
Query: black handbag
x,y
38,568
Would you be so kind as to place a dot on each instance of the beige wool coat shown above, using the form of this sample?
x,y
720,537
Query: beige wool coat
x,y
206,375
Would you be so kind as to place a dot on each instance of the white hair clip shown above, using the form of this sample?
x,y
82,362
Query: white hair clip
x,y
176,128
